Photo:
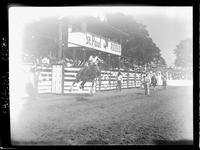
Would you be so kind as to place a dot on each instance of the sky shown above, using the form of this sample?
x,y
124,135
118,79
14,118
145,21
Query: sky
x,y
167,26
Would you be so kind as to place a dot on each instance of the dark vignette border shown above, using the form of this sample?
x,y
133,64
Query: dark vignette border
x,y
5,4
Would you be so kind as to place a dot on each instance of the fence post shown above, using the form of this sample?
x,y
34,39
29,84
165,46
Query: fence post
x,y
128,74
52,79
141,80
63,70
109,57
128,79
57,76
100,81
109,80
135,79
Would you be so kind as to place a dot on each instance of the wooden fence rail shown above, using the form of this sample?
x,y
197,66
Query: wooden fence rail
x,y
106,81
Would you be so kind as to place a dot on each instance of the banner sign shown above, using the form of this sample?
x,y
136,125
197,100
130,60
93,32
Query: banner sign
x,y
93,41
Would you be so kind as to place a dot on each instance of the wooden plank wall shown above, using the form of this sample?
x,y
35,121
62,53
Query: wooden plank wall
x,y
107,80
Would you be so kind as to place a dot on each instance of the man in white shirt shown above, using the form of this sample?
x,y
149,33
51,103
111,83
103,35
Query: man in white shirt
x,y
93,59
147,81
119,80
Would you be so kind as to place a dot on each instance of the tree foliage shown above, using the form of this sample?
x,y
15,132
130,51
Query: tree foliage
x,y
183,52
139,45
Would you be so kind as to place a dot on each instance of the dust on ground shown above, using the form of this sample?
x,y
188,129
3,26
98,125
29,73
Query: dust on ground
x,y
109,117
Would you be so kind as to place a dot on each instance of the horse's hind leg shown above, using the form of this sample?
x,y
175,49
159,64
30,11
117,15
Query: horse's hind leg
x,y
72,85
76,81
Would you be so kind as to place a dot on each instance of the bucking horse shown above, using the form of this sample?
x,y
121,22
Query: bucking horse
x,y
88,74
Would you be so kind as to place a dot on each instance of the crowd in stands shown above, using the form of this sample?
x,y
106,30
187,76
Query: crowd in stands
x,y
48,61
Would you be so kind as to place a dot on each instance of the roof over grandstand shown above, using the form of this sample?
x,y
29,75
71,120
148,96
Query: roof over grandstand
x,y
99,27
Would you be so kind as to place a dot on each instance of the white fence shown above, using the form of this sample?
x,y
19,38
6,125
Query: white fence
x,y
45,80
180,82
106,81
60,82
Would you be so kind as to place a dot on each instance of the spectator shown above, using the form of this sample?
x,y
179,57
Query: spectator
x,y
32,85
159,78
147,81
45,60
119,80
69,64
164,81
153,80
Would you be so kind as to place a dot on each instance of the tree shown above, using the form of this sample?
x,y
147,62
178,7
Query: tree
x,y
183,52
139,46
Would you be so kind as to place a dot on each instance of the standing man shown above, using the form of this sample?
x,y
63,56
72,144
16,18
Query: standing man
x,y
159,78
153,80
164,81
119,80
147,82
31,83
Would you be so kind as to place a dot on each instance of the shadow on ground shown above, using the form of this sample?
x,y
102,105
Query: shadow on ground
x,y
178,142
96,142
82,99
139,93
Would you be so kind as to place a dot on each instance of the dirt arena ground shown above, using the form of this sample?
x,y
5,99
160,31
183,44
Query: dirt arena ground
x,y
110,117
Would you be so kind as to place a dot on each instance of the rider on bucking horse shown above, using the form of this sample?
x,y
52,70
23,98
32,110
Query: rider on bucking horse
x,y
89,72
93,62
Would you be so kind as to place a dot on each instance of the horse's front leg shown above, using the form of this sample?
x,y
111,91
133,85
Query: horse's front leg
x,y
82,84
73,85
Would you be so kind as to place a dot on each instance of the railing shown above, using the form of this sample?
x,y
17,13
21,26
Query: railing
x,y
106,81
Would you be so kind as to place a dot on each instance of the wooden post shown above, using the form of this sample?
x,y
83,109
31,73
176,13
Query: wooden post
x,y
141,80
63,69
128,76
119,65
74,54
66,41
84,55
135,79
99,79
60,40
109,59
100,82
109,70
